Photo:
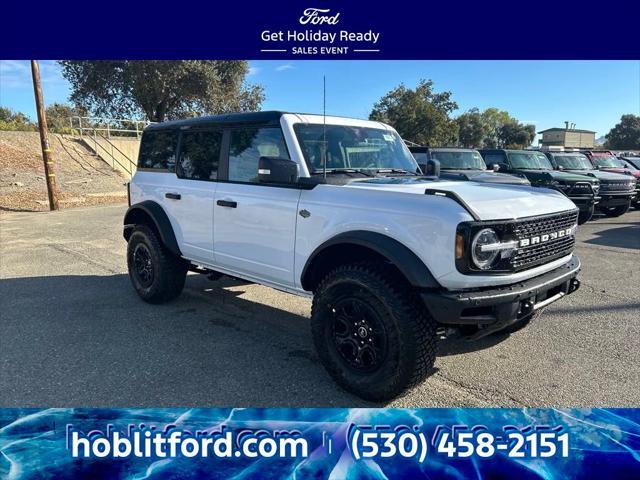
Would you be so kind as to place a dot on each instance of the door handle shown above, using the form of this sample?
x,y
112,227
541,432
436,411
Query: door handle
x,y
173,196
227,203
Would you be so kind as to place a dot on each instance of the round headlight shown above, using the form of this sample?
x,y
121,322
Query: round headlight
x,y
484,259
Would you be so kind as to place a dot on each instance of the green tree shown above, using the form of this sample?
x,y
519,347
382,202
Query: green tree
x,y
419,115
493,128
471,129
161,89
514,134
10,120
493,120
58,115
626,134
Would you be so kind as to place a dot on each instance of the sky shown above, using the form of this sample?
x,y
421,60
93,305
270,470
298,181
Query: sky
x,y
591,94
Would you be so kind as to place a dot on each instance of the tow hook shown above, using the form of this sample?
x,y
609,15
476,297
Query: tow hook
x,y
445,332
574,285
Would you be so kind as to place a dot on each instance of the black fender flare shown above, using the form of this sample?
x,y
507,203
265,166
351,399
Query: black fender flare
x,y
409,264
159,218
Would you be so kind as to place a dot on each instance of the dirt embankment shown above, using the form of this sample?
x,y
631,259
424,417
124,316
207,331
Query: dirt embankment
x,y
83,179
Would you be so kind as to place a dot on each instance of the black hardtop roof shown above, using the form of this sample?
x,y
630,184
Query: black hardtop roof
x,y
508,150
267,117
442,149
454,149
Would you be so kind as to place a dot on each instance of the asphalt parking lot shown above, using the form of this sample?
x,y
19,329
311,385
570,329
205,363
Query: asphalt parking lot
x,y
74,333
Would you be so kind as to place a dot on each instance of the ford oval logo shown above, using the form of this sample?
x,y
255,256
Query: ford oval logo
x,y
316,16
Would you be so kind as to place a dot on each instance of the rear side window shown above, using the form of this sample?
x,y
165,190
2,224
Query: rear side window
x,y
158,150
491,158
200,155
421,157
248,145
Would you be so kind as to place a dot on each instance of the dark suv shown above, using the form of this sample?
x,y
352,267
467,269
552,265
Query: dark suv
x,y
581,189
607,161
463,164
617,190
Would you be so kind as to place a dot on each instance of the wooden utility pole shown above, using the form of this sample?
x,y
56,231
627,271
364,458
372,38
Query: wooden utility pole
x,y
50,176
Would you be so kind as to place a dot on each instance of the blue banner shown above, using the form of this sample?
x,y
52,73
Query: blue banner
x,y
319,443
321,29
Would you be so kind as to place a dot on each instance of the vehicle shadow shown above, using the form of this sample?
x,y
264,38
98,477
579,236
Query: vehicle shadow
x,y
626,236
456,345
90,340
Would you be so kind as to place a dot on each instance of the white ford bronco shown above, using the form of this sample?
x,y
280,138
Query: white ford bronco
x,y
337,209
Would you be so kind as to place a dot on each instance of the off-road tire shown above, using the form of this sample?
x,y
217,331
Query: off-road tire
x,y
585,215
409,330
168,270
616,211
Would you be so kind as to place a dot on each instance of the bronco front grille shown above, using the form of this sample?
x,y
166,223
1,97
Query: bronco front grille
x,y
616,186
527,242
545,250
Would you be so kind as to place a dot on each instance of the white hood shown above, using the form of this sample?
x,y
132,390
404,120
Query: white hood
x,y
488,201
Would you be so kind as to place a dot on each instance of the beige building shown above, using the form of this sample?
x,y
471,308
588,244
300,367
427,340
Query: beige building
x,y
567,137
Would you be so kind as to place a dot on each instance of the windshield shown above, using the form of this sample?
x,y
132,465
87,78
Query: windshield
x,y
607,161
459,160
357,148
532,160
632,164
573,162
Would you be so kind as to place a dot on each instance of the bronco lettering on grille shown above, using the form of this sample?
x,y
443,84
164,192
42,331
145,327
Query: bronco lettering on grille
x,y
567,232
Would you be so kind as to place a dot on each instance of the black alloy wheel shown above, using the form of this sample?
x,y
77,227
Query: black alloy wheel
x,y
359,335
143,265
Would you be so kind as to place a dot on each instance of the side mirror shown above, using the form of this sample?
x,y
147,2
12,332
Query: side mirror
x,y
495,167
431,168
277,170
560,167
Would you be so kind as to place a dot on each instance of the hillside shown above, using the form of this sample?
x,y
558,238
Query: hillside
x,y
83,178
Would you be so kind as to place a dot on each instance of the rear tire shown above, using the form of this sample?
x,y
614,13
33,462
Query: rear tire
x,y
157,274
371,332
616,211
585,215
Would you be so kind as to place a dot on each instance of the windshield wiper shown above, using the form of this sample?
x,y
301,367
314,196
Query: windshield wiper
x,y
344,170
395,170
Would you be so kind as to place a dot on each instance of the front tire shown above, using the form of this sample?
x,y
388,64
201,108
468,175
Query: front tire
x,y
371,332
585,215
616,211
157,275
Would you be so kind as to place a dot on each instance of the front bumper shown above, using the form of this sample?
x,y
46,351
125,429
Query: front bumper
x,y
584,202
499,307
615,199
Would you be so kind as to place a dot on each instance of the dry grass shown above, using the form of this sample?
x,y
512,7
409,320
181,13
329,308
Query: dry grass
x,y
82,178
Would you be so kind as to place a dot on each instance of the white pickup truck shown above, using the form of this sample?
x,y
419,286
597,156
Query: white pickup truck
x,y
337,209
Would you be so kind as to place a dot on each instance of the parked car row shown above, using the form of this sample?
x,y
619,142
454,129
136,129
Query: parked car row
x,y
592,179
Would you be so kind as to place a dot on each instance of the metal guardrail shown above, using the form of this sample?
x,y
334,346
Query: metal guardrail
x,y
115,126
102,129
97,146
